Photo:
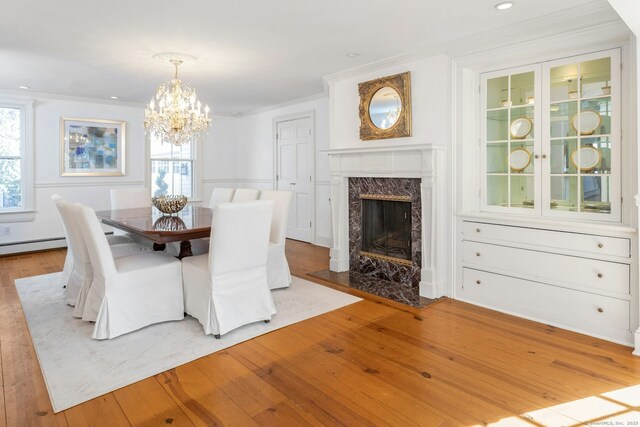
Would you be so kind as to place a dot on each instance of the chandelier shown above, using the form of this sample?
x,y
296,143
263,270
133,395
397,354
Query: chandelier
x,y
174,115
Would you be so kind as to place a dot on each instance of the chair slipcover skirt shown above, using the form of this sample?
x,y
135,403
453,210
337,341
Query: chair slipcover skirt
x,y
143,293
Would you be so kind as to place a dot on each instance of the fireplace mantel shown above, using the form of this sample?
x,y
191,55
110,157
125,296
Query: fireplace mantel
x,y
424,161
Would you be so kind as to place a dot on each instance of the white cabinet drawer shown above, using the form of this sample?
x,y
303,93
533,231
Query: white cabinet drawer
x,y
563,270
582,311
558,240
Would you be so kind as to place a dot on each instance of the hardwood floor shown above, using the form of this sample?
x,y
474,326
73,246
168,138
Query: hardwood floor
x,y
365,364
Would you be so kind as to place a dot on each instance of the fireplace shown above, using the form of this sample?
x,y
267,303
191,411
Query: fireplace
x,y
413,169
386,227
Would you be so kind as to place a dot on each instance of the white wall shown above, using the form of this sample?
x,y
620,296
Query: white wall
x,y
429,98
256,155
217,157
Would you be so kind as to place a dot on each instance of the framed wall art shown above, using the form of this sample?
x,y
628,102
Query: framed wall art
x,y
92,147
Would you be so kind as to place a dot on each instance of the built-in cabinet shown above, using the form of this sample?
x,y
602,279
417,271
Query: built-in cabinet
x,y
546,240
550,136
572,280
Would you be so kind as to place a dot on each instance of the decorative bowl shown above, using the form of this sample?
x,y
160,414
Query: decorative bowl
x,y
169,204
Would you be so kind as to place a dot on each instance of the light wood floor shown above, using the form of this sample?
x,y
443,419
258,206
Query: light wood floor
x,y
366,364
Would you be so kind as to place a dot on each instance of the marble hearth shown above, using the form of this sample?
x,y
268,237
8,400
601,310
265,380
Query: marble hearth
x,y
419,172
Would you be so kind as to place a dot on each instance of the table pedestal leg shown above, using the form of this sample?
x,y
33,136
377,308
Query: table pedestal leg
x,y
185,249
159,246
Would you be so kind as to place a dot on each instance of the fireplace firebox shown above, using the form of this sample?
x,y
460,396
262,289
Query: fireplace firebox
x,y
386,227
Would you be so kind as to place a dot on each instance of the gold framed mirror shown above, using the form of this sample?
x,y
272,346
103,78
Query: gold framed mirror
x,y
385,107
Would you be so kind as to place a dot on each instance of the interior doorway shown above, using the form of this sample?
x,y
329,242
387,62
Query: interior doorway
x,y
294,171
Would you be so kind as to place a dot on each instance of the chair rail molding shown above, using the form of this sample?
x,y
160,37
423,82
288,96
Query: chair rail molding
x,y
424,161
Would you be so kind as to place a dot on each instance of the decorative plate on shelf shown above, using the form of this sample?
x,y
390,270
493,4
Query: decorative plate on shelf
x,y
519,159
586,158
520,128
586,122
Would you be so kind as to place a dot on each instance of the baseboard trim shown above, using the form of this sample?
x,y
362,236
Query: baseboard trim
x,y
428,290
32,246
11,248
323,241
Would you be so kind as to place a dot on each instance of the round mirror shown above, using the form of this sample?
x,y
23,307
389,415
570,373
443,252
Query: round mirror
x,y
385,107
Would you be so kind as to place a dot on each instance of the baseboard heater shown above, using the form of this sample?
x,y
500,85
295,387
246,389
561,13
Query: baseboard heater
x,y
11,248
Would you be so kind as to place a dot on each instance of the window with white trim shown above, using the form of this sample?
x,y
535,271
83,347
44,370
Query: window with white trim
x,y
16,190
172,168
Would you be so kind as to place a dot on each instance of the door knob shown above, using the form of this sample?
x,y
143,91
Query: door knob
x,y
293,183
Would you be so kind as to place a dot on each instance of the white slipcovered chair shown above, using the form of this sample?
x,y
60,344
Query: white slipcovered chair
x,y
68,261
218,195
130,292
129,198
227,287
77,278
278,274
245,195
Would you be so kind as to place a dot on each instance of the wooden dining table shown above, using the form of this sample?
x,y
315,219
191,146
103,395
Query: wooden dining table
x,y
192,222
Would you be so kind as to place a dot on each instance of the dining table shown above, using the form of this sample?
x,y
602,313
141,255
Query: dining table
x,y
192,222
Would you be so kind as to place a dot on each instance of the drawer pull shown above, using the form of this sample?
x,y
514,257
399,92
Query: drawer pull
x,y
600,310
600,275
600,245
477,230
477,253
478,282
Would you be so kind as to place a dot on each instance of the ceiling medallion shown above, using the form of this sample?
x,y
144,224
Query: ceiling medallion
x,y
175,115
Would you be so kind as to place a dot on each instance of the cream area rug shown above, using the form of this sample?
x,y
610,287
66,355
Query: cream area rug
x,y
77,368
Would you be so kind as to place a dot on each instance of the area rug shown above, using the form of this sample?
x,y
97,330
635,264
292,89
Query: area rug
x,y
77,368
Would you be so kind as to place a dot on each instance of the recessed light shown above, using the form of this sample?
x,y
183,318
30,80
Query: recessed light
x,y
504,5
353,54
114,97
24,87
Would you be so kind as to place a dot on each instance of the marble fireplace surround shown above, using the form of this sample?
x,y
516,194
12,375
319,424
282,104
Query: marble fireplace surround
x,y
426,162
380,267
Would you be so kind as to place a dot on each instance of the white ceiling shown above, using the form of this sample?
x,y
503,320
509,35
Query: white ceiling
x,y
251,53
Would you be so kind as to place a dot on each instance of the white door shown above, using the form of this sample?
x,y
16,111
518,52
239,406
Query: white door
x,y
294,172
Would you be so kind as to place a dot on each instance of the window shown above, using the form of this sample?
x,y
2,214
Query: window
x,y
16,190
172,168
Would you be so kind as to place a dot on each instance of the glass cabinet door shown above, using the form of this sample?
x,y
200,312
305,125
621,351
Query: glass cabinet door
x,y
509,140
550,137
582,135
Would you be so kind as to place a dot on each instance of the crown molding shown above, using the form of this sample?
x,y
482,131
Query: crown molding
x,y
590,15
54,97
593,14
23,95
315,97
